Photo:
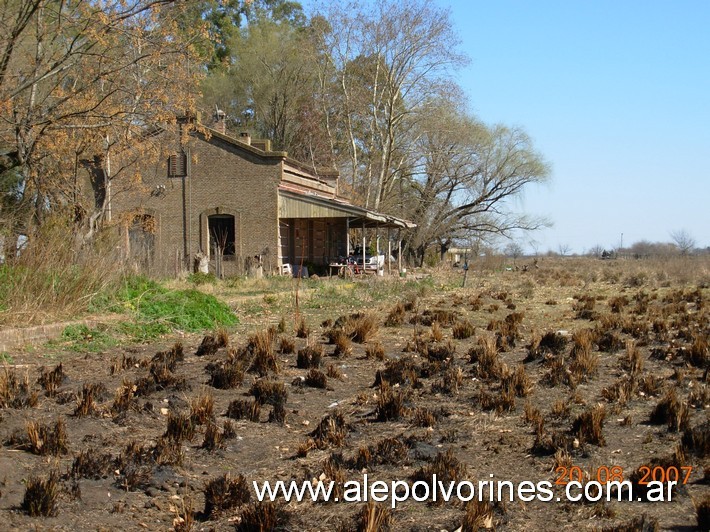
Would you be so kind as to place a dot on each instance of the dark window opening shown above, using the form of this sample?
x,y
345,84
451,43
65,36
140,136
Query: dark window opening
x,y
177,165
222,234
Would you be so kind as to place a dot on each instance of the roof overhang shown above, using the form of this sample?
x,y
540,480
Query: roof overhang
x,y
300,204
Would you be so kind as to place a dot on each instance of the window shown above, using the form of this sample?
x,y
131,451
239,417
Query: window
x,y
177,165
222,234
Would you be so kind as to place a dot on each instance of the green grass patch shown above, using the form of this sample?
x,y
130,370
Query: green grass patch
x,y
85,340
158,310
6,359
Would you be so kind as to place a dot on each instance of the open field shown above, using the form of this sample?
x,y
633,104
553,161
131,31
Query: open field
x,y
521,375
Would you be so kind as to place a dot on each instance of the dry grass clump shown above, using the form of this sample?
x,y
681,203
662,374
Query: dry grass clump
x,y
124,399
225,375
45,439
362,327
560,409
181,427
589,426
617,303
516,382
262,516
211,344
388,451
224,492
584,362
260,346
213,438
450,382
697,355
202,408
124,363
485,355
424,417
333,372
445,466
374,517
87,397
316,379
309,357
702,512
402,371
478,515
463,329
390,403
621,391
395,316
93,464
50,380
287,346
343,345
244,409
551,342
640,523
445,318
584,308
272,393
673,412
503,401
696,440
331,431
15,392
41,495
440,352
376,351
632,361
609,342
302,329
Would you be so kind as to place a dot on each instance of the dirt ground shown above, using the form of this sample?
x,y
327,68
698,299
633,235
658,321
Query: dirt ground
x,y
587,365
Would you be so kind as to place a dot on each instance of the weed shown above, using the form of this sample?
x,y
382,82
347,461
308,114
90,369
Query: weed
x,y
41,495
436,334
560,409
450,382
398,371
486,355
632,361
702,512
697,355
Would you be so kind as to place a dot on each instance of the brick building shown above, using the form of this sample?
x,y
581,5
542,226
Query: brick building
x,y
234,202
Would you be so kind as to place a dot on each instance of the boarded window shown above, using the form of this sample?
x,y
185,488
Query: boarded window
x,y
222,234
141,241
177,165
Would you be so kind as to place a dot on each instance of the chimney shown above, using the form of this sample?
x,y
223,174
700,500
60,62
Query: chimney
x,y
220,121
245,137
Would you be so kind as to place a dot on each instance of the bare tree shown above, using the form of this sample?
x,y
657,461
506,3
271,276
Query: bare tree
x,y
564,249
464,179
513,250
684,241
387,61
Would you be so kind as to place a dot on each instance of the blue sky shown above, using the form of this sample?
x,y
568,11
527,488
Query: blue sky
x,y
616,96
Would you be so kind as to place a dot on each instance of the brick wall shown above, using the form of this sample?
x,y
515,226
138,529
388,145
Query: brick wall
x,y
224,179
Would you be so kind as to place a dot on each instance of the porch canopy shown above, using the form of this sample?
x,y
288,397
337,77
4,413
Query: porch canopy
x,y
299,205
